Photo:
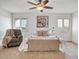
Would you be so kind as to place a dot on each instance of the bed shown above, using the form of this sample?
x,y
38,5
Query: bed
x,y
43,47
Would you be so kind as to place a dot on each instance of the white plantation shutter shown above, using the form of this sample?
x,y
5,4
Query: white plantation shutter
x,y
60,23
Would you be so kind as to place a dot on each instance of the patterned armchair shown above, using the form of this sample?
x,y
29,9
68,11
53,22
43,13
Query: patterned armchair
x,y
12,38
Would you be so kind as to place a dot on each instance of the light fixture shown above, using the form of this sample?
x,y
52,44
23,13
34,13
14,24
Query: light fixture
x,y
39,8
40,5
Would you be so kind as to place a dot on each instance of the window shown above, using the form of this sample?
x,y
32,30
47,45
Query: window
x,y
66,22
60,23
23,23
17,23
20,23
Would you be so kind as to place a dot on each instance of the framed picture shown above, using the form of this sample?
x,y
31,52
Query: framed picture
x,y
42,21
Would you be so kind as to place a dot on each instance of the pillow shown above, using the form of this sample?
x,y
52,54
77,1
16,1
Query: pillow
x,y
42,33
45,33
43,45
39,33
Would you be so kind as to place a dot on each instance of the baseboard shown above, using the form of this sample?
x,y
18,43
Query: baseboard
x,y
72,42
75,43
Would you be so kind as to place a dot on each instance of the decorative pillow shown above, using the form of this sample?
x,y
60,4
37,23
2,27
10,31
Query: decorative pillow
x,y
43,45
45,33
39,33
42,33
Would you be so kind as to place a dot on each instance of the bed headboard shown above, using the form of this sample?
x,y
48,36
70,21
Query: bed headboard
x,y
43,45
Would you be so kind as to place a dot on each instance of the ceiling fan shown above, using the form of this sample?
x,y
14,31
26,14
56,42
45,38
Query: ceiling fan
x,y
40,5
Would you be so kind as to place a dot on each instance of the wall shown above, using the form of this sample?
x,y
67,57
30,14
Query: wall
x,y
75,27
5,22
31,26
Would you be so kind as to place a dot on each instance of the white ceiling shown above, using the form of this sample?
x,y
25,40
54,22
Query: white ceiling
x,y
21,6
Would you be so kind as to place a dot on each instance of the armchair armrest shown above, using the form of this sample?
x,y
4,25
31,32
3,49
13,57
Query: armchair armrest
x,y
20,37
6,40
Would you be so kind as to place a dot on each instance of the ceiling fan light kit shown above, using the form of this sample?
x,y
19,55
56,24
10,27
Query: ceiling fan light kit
x,y
39,8
40,5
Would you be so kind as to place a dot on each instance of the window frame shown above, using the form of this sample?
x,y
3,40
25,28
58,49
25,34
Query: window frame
x,y
60,26
63,22
66,25
20,23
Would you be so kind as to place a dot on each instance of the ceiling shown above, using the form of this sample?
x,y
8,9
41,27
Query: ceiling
x,y
21,6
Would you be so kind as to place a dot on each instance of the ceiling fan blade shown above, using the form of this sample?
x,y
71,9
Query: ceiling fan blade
x,y
40,1
31,3
45,2
47,7
33,8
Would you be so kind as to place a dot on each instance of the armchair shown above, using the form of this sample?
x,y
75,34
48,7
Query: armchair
x,y
12,38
